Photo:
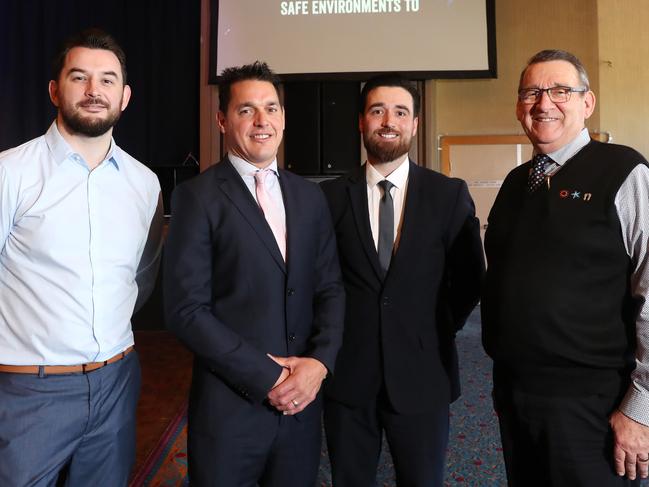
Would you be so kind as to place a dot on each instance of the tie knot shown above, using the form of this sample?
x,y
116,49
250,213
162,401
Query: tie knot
x,y
261,175
541,160
386,186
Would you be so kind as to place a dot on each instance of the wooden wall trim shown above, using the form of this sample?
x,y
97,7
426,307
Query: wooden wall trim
x,y
210,137
446,141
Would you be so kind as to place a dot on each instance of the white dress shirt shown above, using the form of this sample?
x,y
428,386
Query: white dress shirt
x,y
70,244
399,178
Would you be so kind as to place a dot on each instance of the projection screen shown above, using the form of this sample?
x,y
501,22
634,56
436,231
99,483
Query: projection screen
x,y
353,39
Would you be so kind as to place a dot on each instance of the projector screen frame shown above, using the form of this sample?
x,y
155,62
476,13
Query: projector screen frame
x,y
490,72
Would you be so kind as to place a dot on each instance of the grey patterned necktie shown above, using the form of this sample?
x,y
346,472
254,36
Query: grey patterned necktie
x,y
386,225
537,174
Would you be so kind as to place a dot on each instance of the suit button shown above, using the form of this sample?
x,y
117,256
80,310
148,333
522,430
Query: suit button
x,y
291,337
291,291
386,301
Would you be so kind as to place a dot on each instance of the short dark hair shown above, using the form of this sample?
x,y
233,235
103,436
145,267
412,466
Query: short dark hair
x,y
257,71
393,80
92,38
557,55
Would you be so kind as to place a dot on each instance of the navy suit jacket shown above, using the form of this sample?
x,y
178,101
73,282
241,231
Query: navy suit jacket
x,y
400,331
230,297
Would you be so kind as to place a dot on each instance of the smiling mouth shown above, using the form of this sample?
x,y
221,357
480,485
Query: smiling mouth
x,y
261,136
545,119
388,135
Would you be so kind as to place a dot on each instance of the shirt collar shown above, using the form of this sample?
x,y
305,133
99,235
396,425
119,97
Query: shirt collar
x,y
245,168
562,155
61,150
398,177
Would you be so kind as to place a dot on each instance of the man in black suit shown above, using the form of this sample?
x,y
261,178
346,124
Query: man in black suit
x,y
253,288
412,262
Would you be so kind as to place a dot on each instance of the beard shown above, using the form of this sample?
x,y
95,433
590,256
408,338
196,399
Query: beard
x,y
88,126
382,151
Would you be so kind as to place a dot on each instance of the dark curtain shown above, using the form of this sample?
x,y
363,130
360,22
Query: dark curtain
x,y
161,39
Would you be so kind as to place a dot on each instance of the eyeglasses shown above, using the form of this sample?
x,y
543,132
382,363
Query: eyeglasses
x,y
557,94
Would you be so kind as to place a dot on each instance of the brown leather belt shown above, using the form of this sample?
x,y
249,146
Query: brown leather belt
x,y
63,369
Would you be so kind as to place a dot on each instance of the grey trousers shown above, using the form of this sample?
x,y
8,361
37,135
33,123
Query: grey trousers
x,y
82,422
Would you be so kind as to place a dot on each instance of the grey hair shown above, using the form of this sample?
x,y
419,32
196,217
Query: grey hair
x,y
557,55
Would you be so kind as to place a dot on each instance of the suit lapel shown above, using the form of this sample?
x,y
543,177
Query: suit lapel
x,y
409,224
235,189
357,189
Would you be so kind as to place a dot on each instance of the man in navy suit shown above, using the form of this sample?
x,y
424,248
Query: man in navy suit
x,y
253,288
412,263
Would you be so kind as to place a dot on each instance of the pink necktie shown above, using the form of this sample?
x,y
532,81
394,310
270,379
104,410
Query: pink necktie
x,y
270,210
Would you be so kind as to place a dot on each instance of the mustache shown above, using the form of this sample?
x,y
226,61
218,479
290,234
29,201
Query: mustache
x,y
94,103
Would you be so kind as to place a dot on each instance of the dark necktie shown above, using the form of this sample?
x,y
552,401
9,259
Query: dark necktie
x,y
537,174
386,225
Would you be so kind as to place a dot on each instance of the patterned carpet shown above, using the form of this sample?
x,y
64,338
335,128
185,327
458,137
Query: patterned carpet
x,y
474,457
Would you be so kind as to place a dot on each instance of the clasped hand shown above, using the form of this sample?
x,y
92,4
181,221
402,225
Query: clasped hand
x,y
297,385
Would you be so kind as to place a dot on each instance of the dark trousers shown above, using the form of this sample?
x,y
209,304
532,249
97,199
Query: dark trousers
x,y
557,441
83,422
417,443
255,446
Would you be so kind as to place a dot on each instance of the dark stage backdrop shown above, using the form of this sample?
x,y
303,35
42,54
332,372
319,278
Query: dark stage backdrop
x,y
161,38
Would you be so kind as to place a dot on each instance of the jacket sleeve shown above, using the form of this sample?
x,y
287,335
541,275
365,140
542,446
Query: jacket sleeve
x,y
465,265
329,295
188,303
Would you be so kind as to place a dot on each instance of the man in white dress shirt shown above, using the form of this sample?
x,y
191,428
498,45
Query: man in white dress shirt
x,y
411,260
80,227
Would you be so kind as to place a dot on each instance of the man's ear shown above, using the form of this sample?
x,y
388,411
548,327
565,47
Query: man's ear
x,y
589,102
126,96
53,89
220,120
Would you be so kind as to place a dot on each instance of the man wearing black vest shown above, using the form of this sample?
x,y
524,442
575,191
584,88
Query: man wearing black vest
x,y
412,263
564,312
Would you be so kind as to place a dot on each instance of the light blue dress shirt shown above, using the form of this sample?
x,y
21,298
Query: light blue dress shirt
x,y
71,240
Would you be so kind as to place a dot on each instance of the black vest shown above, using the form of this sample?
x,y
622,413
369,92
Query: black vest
x,y
558,316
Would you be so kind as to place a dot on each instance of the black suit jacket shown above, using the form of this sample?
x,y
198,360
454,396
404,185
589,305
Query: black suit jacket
x,y
230,297
400,331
